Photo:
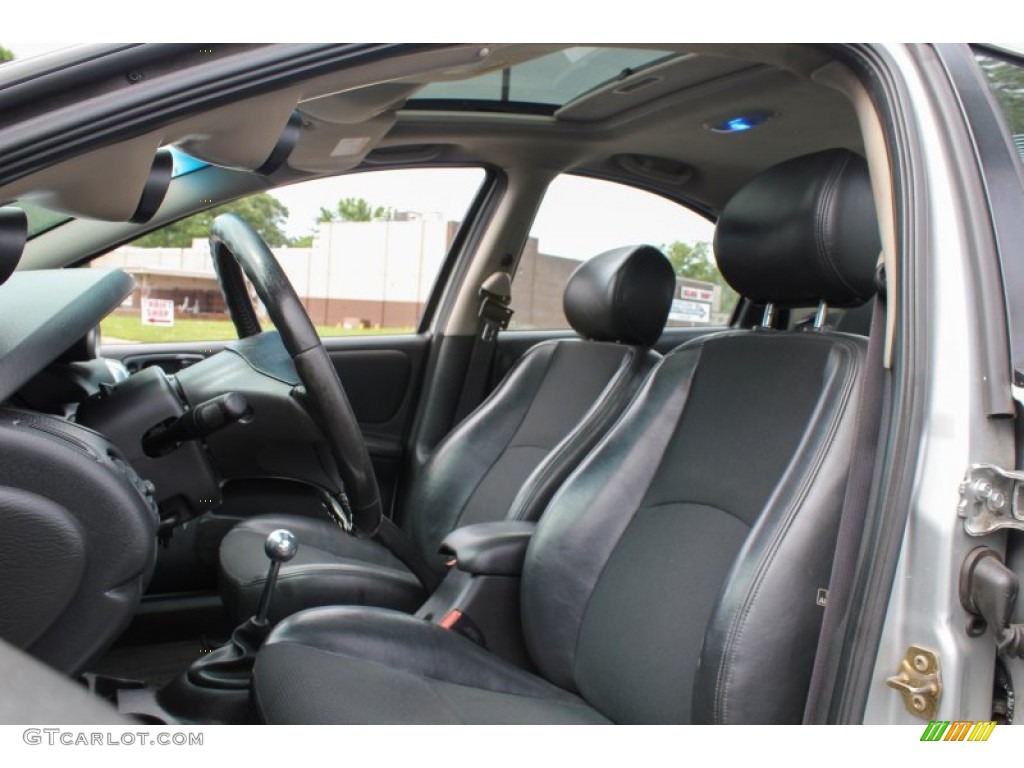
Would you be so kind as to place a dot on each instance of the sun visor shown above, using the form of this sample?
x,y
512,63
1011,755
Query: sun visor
x,y
115,183
13,234
359,104
244,135
325,147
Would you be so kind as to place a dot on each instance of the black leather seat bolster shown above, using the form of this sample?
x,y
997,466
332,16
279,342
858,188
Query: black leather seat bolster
x,y
784,562
535,494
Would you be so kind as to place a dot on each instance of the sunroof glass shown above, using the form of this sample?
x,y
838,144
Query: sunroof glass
x,y
551,80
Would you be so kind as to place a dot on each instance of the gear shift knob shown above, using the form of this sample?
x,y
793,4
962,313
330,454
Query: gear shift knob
x,y
230,666
281,545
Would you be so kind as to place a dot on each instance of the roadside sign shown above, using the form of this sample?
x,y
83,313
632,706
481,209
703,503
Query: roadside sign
x,y
685,310
157,312
696,294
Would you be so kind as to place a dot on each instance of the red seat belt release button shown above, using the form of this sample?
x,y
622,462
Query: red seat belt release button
x,y
451,619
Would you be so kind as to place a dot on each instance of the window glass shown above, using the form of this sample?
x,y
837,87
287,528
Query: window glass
x,y
581,218
362,251
1007,83
552,80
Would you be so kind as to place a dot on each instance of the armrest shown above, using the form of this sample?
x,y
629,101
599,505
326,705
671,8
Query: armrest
x,y
490,549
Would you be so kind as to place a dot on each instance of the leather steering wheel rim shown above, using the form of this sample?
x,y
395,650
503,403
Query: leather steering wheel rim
x,y
237,249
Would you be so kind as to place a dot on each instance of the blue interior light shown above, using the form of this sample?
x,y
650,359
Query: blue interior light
x,y
739,123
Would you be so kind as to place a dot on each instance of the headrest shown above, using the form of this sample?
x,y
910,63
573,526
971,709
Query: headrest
x,y
622,295
802,232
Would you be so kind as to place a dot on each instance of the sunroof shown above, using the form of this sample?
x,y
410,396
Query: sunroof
x,y
543,84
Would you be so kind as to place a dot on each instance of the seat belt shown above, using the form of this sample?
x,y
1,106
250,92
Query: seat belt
x,y
851,523
390,536
494,316
401,546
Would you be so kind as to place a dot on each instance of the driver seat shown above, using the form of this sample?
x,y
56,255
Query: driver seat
x,y
676,575
503,462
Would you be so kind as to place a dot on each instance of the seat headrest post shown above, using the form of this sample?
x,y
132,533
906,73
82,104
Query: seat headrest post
x,y
820,315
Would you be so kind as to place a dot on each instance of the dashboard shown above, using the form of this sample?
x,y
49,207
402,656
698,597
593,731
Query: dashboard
x,y
44,312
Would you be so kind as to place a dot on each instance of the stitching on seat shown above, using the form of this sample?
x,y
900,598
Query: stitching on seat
x,y
824,214
737,629
695,503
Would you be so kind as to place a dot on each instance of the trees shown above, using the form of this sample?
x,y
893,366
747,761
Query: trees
x,y
353,209
266,214
1007,83
694,260
6,54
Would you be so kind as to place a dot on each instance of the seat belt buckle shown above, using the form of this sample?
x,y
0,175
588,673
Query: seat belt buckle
x,y
450,619
456,621
494,311
495,296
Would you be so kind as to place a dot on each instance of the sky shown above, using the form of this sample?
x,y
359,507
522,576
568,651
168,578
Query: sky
x,y
445,193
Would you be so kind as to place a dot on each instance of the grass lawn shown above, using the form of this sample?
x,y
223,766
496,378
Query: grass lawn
x,y
126,328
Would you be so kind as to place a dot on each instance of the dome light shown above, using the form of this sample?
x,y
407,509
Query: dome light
x,y
739,123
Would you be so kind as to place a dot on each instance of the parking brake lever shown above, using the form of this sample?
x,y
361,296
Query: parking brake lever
x,y
199,422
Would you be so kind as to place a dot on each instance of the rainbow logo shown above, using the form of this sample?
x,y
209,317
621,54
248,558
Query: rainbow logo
x,y
960,730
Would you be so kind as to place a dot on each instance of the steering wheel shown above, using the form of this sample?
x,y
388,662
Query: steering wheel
x,y
237,249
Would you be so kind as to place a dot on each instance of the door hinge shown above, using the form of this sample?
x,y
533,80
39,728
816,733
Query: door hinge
x,y
991,498
919,682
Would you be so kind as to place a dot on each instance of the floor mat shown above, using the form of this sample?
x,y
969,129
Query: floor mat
x,y
154,664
